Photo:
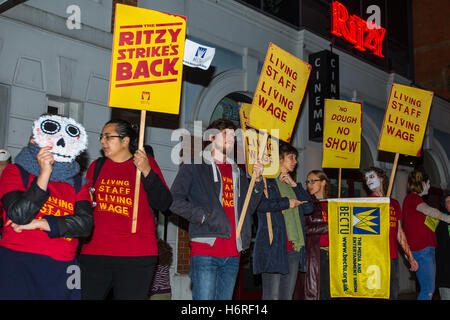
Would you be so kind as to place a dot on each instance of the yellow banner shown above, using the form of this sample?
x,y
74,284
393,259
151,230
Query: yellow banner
x,y
405,120
279,93
359,247
342,134
147,60
252,140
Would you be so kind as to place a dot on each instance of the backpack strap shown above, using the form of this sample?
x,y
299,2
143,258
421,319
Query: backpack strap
x,y
97,168
25,175
77,183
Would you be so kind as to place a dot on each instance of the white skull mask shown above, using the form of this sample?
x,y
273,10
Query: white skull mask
x,y
66,137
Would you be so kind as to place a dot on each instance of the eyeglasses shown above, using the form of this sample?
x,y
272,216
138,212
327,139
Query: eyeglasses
x,y
312,181
107,137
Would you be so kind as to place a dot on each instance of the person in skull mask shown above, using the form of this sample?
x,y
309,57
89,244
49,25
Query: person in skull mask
x,y
378,182
46,207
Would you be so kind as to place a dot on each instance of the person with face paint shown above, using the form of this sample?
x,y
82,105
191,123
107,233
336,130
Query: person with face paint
x,y
420,231
279,262
378,182
46,208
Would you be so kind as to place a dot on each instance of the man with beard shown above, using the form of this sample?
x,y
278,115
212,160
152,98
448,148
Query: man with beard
x,y
210,195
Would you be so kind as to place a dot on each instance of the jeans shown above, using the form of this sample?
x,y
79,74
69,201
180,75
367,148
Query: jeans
x,y
426,272
277,286
213,278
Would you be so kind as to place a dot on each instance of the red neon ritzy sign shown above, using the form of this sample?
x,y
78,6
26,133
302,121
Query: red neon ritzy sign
x,y
355,30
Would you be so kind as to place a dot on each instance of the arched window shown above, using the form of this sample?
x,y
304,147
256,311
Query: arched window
x,y
228,108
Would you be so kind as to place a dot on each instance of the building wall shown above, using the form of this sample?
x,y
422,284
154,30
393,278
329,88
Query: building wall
x,y
71,67
432,45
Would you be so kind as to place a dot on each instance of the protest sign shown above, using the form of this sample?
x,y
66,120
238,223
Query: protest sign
x,y
147,60
252,140
405,120
146,67
359,247
279,92
342,134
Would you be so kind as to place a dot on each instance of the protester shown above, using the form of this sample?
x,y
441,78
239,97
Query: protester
x,y
420,231
47,206
317,278
443,253
279,262
210,195
5,159
161,289
378,182
114,257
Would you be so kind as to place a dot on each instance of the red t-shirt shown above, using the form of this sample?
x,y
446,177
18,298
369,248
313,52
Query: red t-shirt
x,y
113,214
418,234
61,202
395,215
324,238
222,247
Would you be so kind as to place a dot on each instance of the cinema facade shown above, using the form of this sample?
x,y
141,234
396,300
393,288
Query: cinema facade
x,y
68,72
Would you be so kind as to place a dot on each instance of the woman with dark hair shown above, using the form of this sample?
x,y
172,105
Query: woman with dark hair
x,y
378,182
419,223
280,261
317,281
114,257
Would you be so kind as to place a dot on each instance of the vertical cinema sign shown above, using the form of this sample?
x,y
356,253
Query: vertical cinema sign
x,y
324,84
363,35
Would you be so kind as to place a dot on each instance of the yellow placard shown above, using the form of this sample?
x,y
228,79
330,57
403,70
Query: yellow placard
x,y
252,140
359,247
279,93
405,120
147,60
342,134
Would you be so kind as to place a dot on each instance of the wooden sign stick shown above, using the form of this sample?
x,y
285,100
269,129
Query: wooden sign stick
x,y
262,147
268,217
391,179
138,174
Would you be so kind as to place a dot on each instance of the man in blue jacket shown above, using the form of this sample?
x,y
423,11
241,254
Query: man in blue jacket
x,y
210,195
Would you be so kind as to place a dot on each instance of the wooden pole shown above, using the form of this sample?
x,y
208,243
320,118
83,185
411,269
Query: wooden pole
x,y
339,182
250,188
138,174
391,179
268,216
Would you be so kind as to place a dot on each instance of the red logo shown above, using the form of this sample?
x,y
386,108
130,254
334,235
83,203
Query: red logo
x,y
354,30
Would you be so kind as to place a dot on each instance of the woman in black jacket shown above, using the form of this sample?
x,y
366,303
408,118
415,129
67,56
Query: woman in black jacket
x,y
280,261
46,207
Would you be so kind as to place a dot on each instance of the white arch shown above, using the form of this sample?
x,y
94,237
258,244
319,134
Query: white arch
x,y
223,84
440,158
